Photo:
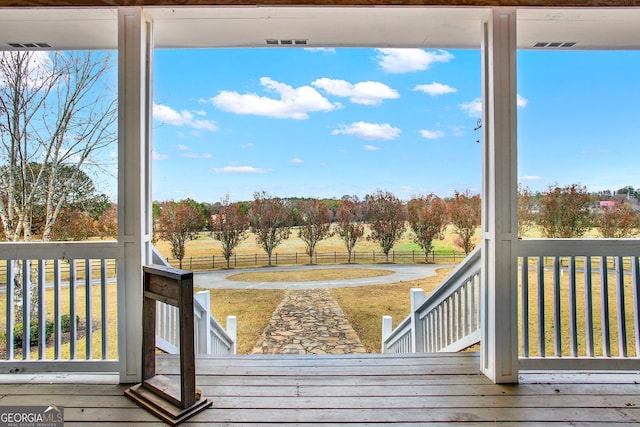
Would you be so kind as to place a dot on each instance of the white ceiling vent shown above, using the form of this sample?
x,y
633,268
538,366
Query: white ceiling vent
x,y
286,42
554,44
30,45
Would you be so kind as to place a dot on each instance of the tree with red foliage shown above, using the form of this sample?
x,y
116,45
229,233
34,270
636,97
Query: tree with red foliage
x,y
386,217
564,211
350,222
428,219
618,221
106,226
229,226
315,224
270,219
179,222
465,215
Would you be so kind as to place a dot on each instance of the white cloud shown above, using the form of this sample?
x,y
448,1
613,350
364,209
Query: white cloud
x,y
183,147
366,93
431,134
196,156
296,160
472,108
320,49
399,61
166,114
39,67
369,131
240,169
521,101
157,156
294,103
435,89
530,178
370,148
247,145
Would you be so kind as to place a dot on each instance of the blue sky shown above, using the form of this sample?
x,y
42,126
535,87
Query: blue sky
x,y
329,122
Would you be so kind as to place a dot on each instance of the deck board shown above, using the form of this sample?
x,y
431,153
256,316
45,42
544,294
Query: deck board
x,y
356,389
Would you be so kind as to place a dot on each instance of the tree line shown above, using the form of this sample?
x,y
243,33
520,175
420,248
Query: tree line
x,y
272,220
560,212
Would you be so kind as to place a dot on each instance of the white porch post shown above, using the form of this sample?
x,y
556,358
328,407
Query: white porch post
x,y
499,198
134,182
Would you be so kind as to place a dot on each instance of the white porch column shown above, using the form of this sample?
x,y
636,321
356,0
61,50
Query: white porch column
x,y
135,50
499,199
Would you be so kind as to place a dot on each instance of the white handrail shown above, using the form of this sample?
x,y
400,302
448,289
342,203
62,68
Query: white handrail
x,y
42,278
210,336
578,299
447,320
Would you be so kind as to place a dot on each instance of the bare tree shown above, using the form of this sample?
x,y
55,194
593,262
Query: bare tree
x,y
270,220
428,219
178,223
229,226
54,113
350,222
526,206
618,221
386,217
564,211
315,224
465,215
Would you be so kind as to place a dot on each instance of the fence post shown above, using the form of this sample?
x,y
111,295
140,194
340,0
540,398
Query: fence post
x,y
393,256
296,258
232,331
374,256
204,325
417,331
190,263
387,328
256,257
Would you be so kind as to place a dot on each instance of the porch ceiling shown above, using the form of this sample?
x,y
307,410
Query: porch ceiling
x,y
429,27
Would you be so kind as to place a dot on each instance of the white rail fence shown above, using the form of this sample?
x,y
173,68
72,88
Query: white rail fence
x,y
447,320
56,301
210,336
579,304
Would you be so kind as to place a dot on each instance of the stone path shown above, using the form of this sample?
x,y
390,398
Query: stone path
x,y
308,322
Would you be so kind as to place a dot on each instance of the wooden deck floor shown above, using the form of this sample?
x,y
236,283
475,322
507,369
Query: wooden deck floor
x,y
433,389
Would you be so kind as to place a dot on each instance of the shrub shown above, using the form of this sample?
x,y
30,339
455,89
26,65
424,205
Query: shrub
x,y
18,332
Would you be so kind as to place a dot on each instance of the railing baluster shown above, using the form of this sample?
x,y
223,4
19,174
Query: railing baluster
x,y
10,310
57,309
88,323
622,323
474,319
588,306
557,318
604,299
541,332
524,270
104,319
42,319
73,335
635,281
459,331
26,310
573,322
465,296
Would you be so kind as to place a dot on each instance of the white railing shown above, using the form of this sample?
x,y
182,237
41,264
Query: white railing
x,y
447,320
578,299
64,292
210,336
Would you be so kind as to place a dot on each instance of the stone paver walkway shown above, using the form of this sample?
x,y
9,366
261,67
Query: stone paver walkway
x,y
308,322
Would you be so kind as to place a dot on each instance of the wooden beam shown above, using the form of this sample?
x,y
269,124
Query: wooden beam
x,y
442,3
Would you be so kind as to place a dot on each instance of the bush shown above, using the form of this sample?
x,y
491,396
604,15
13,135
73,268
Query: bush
x,y
65,322
18,332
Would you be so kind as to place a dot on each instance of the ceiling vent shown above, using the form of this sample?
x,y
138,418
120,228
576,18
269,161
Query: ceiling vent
x,y
30,45
286,42
554,44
